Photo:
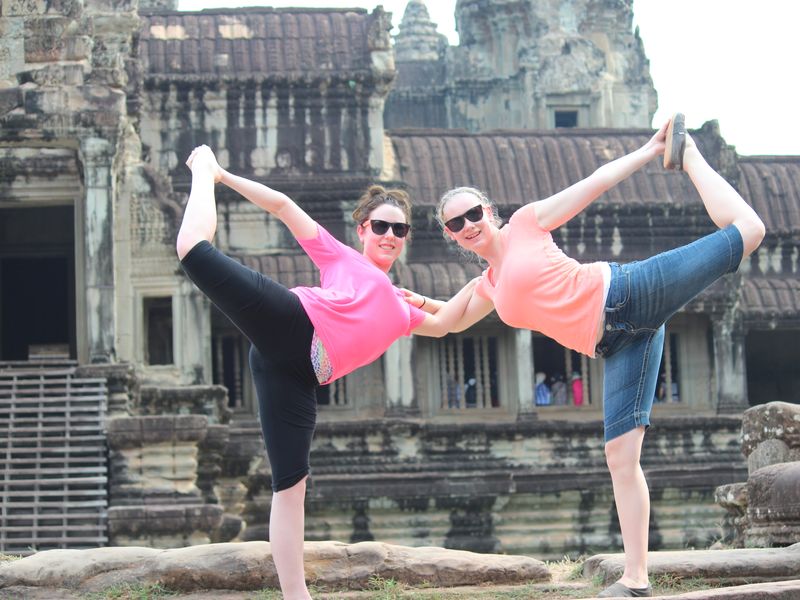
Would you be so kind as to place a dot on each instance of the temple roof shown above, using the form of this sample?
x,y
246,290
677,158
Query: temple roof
x,y
256,42
516,167
771,298
772,183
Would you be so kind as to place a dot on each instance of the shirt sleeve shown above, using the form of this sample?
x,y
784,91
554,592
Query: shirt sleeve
x,y
526,217
324,249
482,289
417,317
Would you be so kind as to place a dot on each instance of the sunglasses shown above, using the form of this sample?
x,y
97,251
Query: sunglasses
x,y
380,227
473,215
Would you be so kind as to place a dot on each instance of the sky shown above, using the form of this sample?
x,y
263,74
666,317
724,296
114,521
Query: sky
x,y
729,60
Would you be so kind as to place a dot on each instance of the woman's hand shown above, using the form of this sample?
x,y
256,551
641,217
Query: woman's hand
x,y
656,145
414,299
202,160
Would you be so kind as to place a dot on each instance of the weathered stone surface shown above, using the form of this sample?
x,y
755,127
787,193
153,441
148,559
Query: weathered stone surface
x,y
776,424
208,400
773,510
746,566
135,432
10,98
766,510
249,566
733,498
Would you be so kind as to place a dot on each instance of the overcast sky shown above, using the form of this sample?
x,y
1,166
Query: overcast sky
x,y
730,60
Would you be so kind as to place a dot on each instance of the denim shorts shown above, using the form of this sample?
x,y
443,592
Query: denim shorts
x,y
641,297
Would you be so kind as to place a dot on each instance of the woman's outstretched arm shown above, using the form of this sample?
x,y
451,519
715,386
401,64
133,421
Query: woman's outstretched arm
x,y
457,314
559,208
274,202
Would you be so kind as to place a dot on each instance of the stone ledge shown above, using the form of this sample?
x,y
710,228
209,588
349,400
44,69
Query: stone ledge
x,y
249,566
731,566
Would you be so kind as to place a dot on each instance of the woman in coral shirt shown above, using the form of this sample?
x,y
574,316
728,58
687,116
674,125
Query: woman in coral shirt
x,y
604,309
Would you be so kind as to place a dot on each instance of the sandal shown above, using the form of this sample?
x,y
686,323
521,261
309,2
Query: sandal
x,y
676,143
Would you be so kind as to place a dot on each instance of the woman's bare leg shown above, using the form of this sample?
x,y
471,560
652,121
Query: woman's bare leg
x,y
723,203
286,532
200,217
633,503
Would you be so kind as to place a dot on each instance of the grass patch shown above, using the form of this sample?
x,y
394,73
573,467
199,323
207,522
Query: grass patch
x,y
266,594
9,558
133,591
570,569
386,589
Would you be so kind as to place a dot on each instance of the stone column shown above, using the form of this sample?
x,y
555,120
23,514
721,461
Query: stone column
x,y
523,342
383,70
99,250
729,363
399,379
193,322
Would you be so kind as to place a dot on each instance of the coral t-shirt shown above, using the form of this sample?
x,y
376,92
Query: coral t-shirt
x,y
356,311
541,288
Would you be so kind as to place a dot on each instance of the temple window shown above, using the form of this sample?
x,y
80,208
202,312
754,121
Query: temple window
x,y
158,329
561,376
566,118
334,394
468,372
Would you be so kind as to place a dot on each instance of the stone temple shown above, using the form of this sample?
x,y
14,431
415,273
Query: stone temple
x,y
128,413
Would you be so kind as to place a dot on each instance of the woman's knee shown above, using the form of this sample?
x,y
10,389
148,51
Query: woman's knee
x,y
298,490
623,452
752,230
186,241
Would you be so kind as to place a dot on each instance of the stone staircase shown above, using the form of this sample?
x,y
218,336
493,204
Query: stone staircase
x,y
53,458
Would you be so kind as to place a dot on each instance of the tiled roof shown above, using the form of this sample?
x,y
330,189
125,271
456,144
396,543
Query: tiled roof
x,y
436,279
772,183
515,167
768,298
289,269
255,42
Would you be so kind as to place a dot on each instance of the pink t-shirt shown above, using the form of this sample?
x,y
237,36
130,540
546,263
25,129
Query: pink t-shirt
x,y
541,288
356,311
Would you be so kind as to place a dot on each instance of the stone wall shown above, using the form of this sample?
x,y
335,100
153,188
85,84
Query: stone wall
x,y
164,465
536,488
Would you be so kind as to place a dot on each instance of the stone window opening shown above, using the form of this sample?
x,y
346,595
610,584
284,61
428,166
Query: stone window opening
x,y
229,360
333,395
566,118
158,330
668,388
468,372
561,376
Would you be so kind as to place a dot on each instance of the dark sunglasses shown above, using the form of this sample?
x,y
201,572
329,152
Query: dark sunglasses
x,y
380,227
473,215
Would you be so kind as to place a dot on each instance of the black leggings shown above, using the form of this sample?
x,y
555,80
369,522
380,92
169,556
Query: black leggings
x,y
273,319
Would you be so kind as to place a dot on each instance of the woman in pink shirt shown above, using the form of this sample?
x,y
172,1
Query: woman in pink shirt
x,y
305,336
604,309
